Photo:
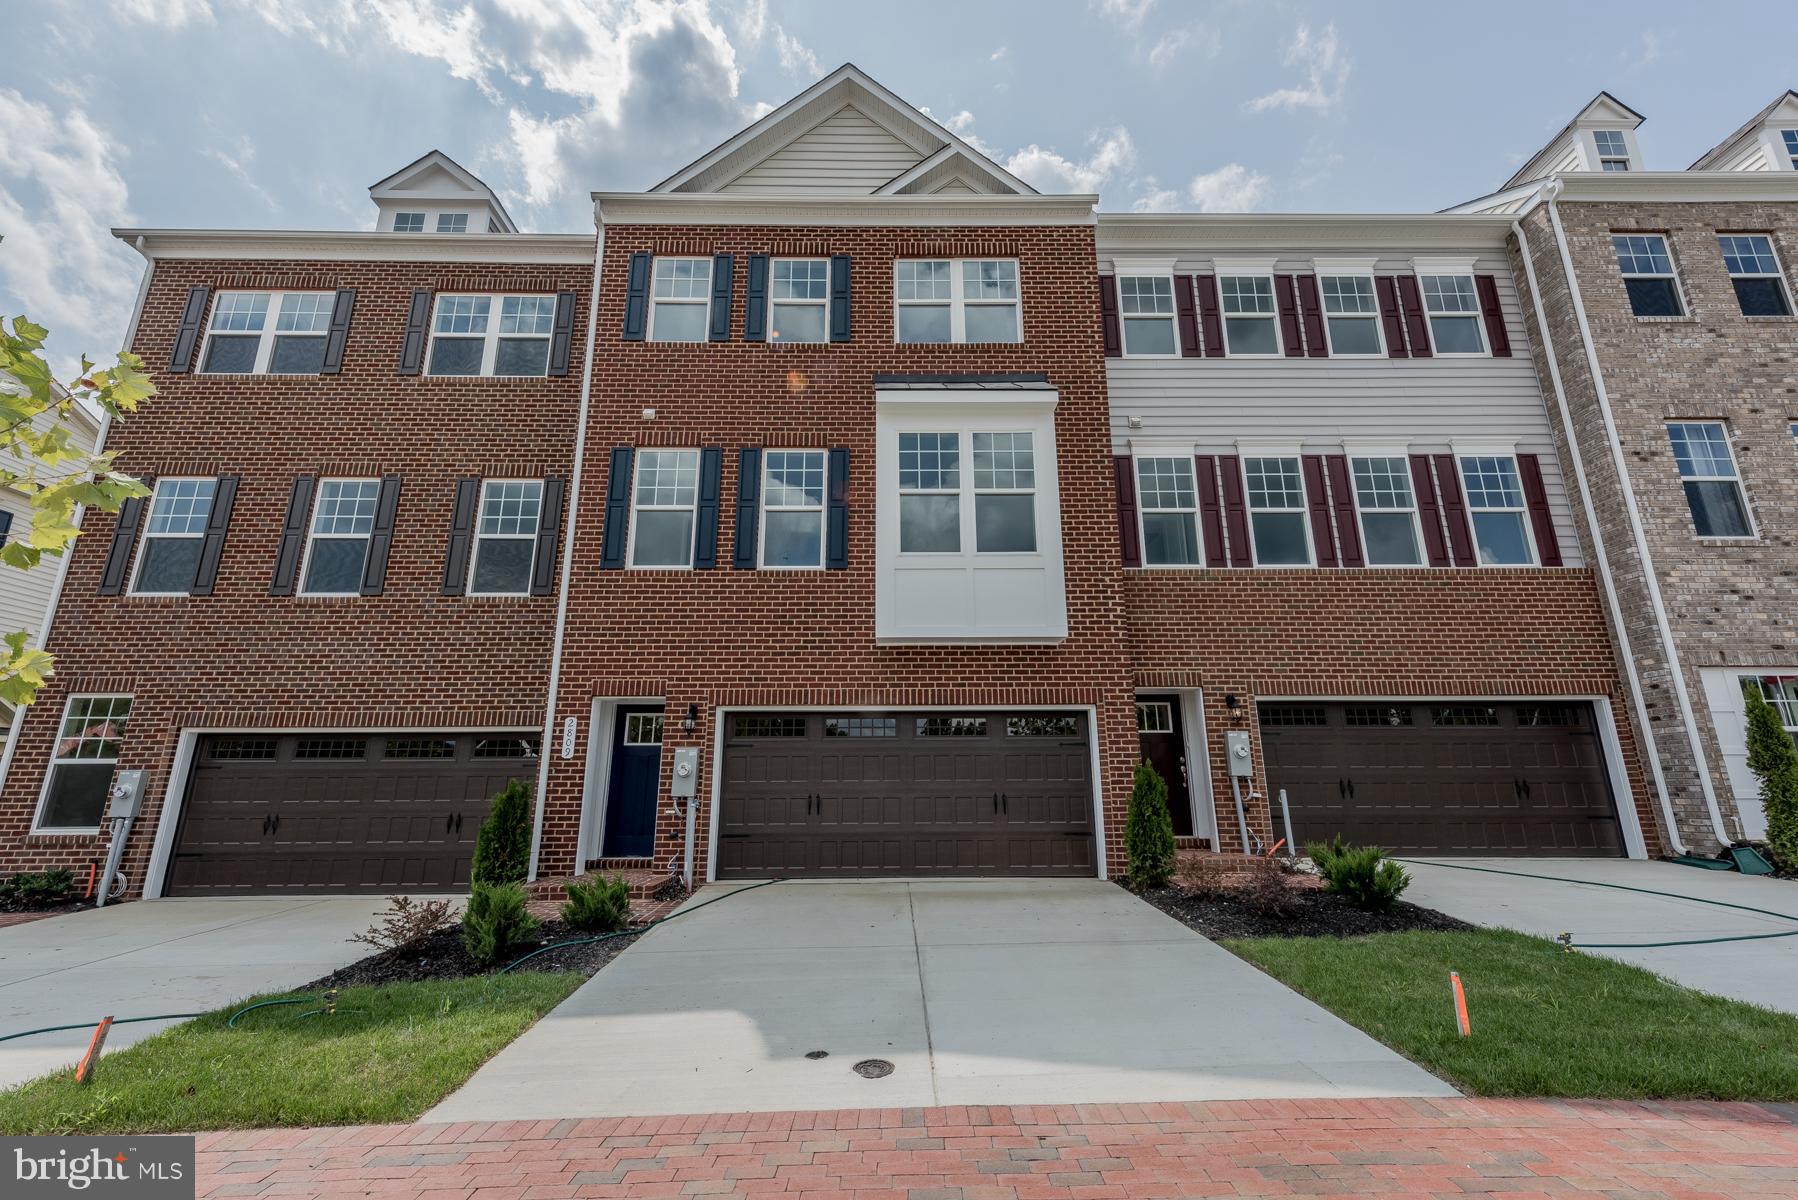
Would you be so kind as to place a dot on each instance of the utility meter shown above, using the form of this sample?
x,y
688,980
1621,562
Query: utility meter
x,y
126,793
686,772
1242,759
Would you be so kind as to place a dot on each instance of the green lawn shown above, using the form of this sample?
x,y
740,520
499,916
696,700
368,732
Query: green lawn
x,y
1545,1022
387,1054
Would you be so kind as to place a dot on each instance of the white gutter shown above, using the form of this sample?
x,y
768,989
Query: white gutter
x,y
574,508
1615,604
1621,466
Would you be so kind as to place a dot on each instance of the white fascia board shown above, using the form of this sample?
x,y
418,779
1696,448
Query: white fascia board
x,y
295,245
1696,187
1297,233
709,208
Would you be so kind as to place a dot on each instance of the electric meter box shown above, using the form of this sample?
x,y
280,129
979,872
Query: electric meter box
x,y
126,795
686,772
1242,758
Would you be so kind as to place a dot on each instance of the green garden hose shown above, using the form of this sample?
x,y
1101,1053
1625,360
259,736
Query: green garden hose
x,y
90,1024
606,937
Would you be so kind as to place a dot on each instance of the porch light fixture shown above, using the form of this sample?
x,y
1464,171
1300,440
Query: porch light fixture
x,y
689,722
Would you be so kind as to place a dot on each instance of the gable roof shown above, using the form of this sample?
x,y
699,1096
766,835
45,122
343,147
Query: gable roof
x,y
437,176
847,87
1722,148
1603,107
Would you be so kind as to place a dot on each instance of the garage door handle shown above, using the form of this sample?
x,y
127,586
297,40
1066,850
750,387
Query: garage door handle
x,y
1526,789
1351,784
277,825
1342,787
995,803
265,824
1005,801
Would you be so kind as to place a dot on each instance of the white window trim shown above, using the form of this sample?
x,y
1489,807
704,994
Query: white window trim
x,y
477,537
1599,155
958,302
1172,316
1379,324
1778,273
703,300
490,339
1462,450
43,798
424,221
313,539
822,304
1225,316
1244,452
964,467
1355,450
631,563
1679,287
265,337
143,542
465,218
971,519
1138,452
1754,529
1459,269
822,509
658,720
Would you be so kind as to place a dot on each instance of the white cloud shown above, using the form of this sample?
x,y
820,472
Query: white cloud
x,y
1647,51
1324,65
998,54
1113,154
170,13
1230,188
1127,13
1157,200
1201,39
238,160
795,57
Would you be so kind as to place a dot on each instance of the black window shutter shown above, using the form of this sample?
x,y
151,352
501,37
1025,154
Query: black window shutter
x,y
1548,546
749,495
293,537
455,563
187,335
118,554
561,340
705,514
755,300
380,538
5,527
1336,467
723,275
549,529
836,530
1429,510
618,510
418,318
1123,469
1108,316
212,546
636,298
342,309
839,297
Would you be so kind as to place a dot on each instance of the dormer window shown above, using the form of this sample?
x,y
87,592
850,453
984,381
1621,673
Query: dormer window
x,y
1790,137
408,222
1146,305
452,222
1613,152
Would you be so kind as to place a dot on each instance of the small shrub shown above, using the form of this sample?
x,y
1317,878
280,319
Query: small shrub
x,y
1774,760
1207,874
502,849
495,922
406,922
1361,875
28,891
1149,831
602,906
1265,888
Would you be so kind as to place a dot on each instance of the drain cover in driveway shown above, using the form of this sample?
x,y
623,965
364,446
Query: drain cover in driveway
x,y
817,1054
873,1068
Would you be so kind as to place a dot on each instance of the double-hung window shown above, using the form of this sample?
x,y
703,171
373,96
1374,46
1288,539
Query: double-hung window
x,y
1351,314
82,762
931,482
1754,270
267,333
792,508
1146,307
1250,326
409,222
1707,469
452,222
1648,275
680,300
662,512
1277,512
1388,510
173,536
799,293
1004,493
1613,151
343,520
956,300
492,335
1169,508
929,493
1453,309
506,537
1496,510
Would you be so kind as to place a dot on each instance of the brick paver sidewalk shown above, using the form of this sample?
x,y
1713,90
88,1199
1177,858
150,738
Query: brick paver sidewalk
x,y
1388,1148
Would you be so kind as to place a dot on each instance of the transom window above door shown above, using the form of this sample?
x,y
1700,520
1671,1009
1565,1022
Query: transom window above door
x,y
643,729
492,335
680,302
267,333
956,300
1154,716
1146,308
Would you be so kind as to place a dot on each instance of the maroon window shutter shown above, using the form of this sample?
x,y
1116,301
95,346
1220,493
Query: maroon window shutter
x,y
1454,512
1188,311
1387,287
1319,502
1211,516
1548,546
1209,316
1311,306
1236,510
1108,316
1429,513
1287,304
1124,470
1417,330
1496,335
1348,530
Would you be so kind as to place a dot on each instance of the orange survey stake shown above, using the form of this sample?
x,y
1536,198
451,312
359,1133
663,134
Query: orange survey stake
x,y
1454,979
84,1072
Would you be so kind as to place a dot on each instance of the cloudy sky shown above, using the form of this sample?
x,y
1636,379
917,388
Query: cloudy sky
x,y
280,113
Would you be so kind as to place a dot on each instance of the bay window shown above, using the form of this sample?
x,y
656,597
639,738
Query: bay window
x,y
929,493
1004,493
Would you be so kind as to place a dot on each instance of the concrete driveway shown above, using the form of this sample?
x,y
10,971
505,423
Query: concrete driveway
x,y
1002,992
160,956
1762,972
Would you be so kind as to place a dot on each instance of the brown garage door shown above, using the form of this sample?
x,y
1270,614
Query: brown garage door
x,y
328,812
868,794
1443,778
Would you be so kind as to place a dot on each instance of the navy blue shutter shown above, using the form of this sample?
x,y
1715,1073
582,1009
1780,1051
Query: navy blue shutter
x,y
705,516
549,528
561,340
636,298
118,555
723,269
755,300
455,562
418,316
836,532
749,495
293,537
380,538
839,297
618,510
212,546
342,309
5,527
187,335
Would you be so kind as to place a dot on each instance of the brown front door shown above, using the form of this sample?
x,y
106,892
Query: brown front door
x,y
1163,743
355,812
850,795
1439,777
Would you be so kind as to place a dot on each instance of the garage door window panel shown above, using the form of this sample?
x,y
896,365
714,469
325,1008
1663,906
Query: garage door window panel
x,y
1497,510
1388,510
343,521
951,726
506,537
793,509
1277,514
173,537
1707,471
1167,504
82,763
662,522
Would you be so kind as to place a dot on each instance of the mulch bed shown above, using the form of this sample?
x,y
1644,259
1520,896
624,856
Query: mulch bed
x,y
25,916
1315,913
441,956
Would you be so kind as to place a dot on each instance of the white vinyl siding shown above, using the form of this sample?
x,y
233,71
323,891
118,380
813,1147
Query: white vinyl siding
x,y
845,152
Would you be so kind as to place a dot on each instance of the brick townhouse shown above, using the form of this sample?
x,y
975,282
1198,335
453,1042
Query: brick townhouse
x,y
1665,338
875,517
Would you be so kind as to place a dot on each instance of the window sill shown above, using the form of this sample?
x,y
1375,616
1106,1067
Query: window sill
x,y
1688,319
1725,540
66,833
1770,318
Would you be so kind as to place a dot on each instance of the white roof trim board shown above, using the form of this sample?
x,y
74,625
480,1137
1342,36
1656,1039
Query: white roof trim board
x,y
470,187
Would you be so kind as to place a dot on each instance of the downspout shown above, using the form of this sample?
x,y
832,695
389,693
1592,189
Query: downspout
x,y
62,565
574,508
1681,695
1612,601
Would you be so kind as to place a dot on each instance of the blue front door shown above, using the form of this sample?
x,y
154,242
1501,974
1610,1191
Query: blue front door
x,y
631,792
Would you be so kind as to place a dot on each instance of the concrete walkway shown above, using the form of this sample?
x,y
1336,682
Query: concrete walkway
x,y
160,956
1017,991
1761,972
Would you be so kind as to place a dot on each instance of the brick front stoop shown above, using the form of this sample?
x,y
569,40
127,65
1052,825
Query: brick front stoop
x,y
1387,1148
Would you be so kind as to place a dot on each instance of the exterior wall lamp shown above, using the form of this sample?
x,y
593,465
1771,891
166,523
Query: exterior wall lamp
x,y
691,721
